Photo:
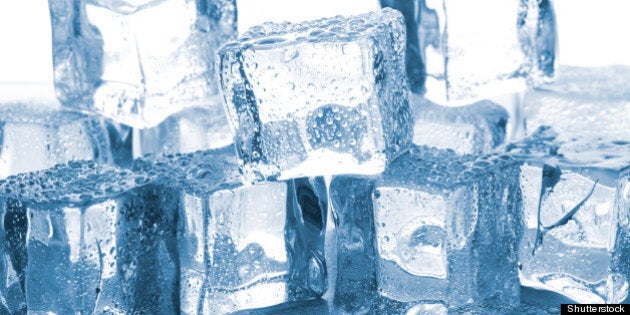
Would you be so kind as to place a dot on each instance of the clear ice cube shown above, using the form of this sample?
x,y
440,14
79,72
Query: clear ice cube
x,y
190,130
582,102
87,238
36,136
576,200
242,247
138,61
445,230
463,54
318,98
474,129
352,208
413,57
121,141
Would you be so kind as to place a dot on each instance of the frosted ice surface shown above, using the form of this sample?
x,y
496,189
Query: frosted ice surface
x,y
87,238
318,98
190,130
241,246
445,229
576,197
36,136
582,102
138,61
462,59
474,129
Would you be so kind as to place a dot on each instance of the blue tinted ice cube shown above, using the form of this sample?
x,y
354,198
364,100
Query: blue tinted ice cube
x,y
413,56
121,142
576,197
12,261
582,102
138,61
190,130
464,54
352,208
446,229
241,246
318,98
36,136
474,129
89,238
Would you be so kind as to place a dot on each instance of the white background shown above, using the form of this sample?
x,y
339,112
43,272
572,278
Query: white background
x,y
591,33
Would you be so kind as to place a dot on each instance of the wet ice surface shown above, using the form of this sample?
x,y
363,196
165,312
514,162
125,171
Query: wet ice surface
x,y
582,102
291,122
355,254
435,215
576,194
241,246
188,131
467,59
474,129
89,238
37,135
534,302
138,62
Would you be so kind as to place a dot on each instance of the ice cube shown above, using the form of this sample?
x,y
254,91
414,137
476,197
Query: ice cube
x,y
121,140
241,246
12,262
463,54
474,129
187,131
138,61
446,229
318,98
582,102
413,56
575,196
355,284
89,238
36,136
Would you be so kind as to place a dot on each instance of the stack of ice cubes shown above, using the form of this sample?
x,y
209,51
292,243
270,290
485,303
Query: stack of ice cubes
x,y
356,164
